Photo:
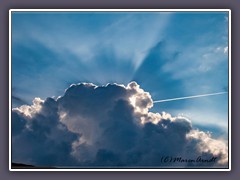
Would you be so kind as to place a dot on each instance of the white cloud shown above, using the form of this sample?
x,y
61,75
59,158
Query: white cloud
x,y
209,145
225,50
108,125
31,110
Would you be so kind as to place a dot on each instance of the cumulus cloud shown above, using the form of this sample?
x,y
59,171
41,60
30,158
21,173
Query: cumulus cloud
x,y
112,125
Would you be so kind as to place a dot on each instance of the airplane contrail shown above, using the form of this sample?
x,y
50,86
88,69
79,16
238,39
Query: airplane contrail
x,y
189,97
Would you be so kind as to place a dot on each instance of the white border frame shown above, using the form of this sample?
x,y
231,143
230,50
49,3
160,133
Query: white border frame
x,y
123,10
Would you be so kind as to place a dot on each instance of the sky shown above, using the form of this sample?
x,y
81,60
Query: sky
x,y
168,54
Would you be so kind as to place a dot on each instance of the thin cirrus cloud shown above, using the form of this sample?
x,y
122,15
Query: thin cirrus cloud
x,y
107,126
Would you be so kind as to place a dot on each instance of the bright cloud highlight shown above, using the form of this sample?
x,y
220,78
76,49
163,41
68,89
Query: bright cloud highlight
x,y
112,125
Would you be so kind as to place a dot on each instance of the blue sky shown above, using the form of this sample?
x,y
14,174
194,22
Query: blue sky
x,y
170,54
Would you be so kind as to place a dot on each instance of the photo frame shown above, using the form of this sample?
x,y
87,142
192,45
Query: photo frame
x,y
163,158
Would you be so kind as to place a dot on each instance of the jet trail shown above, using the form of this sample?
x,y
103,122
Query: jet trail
x,y
189,97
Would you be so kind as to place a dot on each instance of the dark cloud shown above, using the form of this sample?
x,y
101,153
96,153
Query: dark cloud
x,y
38,137
108,126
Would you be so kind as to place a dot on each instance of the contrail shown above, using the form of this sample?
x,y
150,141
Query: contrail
x,y
189,97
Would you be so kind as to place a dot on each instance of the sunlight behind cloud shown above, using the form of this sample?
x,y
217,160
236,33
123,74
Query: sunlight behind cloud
x,y
101,126
115,65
